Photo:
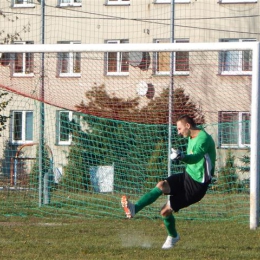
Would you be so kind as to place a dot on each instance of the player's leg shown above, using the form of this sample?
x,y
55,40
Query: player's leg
x,y
169,222
162,187
177,192
184,192
147,199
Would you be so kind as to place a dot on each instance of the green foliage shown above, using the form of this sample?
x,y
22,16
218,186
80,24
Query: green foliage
x,y
46,168
245,160
3,104
228,181
133,139
126,145
75,173
244,184
227,178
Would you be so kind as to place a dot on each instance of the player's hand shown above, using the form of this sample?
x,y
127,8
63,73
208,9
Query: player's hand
x,y
176,154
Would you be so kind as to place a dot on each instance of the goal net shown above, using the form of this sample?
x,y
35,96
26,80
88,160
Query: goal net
x,y
84,124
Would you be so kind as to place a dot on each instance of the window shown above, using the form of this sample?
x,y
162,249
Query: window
x,y
69,63
117,63
169,1
65,119
70,3
22,63
22,127
236,1
162,60
236,62
118,2
23,3
234,129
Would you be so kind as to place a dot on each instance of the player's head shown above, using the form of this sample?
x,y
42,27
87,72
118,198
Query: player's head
x,y
184,125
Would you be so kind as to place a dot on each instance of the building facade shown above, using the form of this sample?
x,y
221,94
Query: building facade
x,y
219,83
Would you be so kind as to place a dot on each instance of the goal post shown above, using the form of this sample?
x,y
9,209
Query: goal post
x,y
215,77
255,140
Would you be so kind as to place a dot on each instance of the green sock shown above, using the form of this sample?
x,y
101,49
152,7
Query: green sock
x,y
169,223
148,199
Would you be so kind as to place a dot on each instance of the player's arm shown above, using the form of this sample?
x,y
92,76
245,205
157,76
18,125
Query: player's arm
x,y
198,153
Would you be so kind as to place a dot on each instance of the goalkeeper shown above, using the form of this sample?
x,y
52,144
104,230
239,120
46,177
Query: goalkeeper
x,y
184,188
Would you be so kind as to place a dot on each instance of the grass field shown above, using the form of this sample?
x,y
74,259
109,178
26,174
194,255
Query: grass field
x,y
91,226
104,238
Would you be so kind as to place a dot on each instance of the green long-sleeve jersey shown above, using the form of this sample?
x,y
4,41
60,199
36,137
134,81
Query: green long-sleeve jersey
x,y
200,157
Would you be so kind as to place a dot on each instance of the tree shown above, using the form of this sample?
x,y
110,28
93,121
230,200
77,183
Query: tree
x,y
102,105
245,170
99,103
245,160
4,101
3,104
8,37
156,112
119,132
227,179
8,34
76,175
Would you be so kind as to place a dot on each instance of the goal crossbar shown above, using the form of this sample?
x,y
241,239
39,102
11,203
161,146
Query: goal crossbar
x,y
129,47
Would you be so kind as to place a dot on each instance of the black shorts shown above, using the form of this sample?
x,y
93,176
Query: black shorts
x,y
185,191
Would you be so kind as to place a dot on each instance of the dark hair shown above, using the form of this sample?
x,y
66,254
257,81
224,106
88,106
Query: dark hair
x,y
187,119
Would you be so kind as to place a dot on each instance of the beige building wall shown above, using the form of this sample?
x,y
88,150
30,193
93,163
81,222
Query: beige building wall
x,y
142,21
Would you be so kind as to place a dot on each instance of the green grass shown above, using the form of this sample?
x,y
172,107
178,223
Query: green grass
x,y
108,238
91,226
214,206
